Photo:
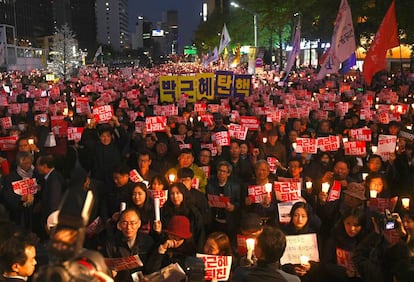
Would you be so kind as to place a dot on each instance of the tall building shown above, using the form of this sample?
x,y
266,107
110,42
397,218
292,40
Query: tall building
x,y
112,23
84,23
171,22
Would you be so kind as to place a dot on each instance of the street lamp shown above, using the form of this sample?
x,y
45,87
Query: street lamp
x,y
237,5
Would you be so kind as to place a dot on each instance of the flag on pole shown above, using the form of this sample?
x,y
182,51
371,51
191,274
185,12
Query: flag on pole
x,y
342,43
212,58
97,53
385,38
224,40
295,50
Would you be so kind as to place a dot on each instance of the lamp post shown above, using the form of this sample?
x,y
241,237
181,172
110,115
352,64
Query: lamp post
x,y
237,5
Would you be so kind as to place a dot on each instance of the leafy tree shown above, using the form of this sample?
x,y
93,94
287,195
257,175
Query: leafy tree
x,y
64,54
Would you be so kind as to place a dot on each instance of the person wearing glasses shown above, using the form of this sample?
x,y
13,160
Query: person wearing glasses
x,y
225,219
127,242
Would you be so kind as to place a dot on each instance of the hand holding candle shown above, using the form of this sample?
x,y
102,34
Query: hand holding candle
x,y
373,194
405,203
309,184
171,178
325,187
268,188
250,247
304,260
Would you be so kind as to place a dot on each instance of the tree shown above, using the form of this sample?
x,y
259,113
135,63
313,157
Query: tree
x,y
64,55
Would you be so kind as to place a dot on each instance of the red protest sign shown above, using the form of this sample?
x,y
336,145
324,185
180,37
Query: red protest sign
x,y
156,124
252,123
82,105
256,193
59,126
6,122
238,131
361,134
162,195
355,148
25,187
217,201
328,144
8,143
221,138
306,145
75,133
287,191
103,114
217,268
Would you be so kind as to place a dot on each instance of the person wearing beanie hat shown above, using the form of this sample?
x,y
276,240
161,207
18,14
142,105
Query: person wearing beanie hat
x,y
177,246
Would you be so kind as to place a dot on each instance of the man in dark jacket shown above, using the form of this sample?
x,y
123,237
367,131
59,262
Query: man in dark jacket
x,y
269,248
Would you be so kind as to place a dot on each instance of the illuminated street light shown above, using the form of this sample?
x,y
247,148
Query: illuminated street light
x,y
237,5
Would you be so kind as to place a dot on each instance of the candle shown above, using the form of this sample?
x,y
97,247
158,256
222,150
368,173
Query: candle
x,y
65,111
199,118
308,184
191,120
31,141
304,260
374,149
294,146
409,127
88,121
405,203
171,177
145,182
392,107
325,187
364,175
250,247
268,188
373,193
157,209
345,139
264,139
122,206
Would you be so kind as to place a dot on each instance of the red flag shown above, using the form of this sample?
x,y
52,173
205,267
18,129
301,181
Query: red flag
x,y
386,38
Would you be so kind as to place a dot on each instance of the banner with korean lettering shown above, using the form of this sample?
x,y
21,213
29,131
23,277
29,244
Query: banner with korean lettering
x,y
386,146
159,194
306,145
251,122
238,131
156,124
8,143
344,258
242,86
287,191
256,193
217,268
205,86
169,88
361,134
328,144
187,85
75,133
217,201
82,105
221,138
300,245
223,86
6,122
355,148
103,114
25,187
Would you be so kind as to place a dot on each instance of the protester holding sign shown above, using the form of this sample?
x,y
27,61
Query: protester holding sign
x,y
349,231
128,242
300,219
20,206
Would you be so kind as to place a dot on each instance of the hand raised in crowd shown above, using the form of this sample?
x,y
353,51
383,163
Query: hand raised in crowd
x,y
167,131
230,207
302,269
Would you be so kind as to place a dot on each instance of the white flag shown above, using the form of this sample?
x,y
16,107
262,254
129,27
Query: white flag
x,y
98,52
342,43
212,58
224,40
295,50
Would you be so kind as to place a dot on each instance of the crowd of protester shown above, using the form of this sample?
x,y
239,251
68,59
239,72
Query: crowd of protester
x,y
183,160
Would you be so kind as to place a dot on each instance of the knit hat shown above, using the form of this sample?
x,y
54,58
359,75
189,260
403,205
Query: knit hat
x,y
179,226
356,190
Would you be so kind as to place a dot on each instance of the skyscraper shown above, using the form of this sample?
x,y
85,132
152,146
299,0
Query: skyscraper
x,y
112,23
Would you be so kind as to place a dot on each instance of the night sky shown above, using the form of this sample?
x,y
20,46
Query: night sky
x,y
188,14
